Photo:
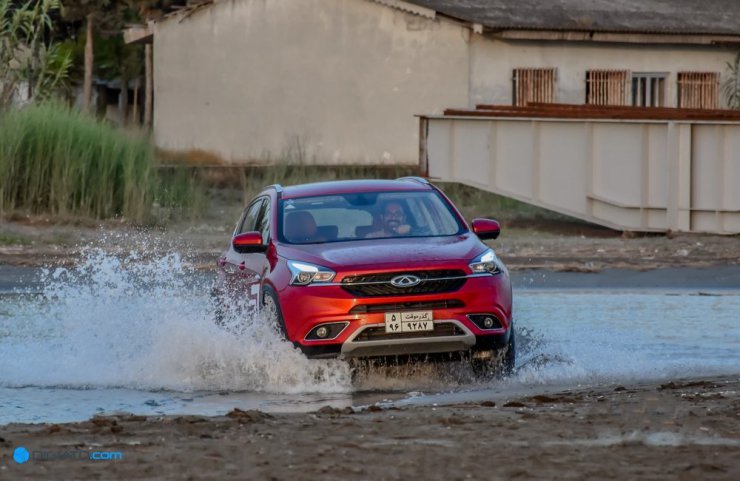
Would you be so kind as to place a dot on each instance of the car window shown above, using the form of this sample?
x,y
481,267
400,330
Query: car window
x,y
346,217
263,224
250,217
346,220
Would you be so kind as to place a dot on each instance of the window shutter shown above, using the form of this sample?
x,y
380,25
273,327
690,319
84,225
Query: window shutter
x,y
534,85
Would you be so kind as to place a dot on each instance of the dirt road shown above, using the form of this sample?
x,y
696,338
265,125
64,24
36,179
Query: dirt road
x,y
685,430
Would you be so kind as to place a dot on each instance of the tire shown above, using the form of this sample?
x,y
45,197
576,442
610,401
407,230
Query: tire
x,y
272,311
508,360
500,363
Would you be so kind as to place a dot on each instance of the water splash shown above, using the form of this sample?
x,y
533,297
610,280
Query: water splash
x,y
138,321
126,317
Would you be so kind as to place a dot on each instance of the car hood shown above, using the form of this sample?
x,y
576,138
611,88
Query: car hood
x,y
409,252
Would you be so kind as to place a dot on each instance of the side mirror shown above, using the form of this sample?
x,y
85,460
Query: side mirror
x,y
486,228
248,242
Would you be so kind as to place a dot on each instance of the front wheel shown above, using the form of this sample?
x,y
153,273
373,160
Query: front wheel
x,y
509,356
498,362
272,312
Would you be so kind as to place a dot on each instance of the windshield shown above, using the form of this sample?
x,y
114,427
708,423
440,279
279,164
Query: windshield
x,y
367,215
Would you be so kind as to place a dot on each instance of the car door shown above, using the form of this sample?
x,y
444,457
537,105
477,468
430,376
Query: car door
x,y
256,263
238,279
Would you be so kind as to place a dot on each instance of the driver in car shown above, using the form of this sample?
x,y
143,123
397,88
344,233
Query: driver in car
x,y
393,218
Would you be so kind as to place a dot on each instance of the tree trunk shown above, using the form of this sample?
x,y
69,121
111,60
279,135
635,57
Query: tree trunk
x,y
6,93
123,101
148,85
135,110
87,85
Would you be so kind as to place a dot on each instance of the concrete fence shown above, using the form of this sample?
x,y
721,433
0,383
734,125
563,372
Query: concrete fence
x,y
634,175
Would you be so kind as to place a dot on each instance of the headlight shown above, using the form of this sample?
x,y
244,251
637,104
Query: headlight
x,y
487,263
304,273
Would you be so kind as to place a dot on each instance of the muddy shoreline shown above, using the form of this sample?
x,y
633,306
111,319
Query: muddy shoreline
x,y
680,429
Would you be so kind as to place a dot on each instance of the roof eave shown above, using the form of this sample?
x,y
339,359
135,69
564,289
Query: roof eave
x,y
603,36
138,34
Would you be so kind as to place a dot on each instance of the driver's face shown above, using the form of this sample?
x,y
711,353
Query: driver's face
x,y
393,216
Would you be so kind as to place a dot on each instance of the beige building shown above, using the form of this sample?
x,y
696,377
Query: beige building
x,y
340,81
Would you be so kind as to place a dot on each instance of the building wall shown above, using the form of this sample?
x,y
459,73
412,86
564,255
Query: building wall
x,y
493,62
638,175
329,81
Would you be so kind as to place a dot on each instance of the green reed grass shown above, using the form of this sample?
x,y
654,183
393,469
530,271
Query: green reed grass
x,y
56,160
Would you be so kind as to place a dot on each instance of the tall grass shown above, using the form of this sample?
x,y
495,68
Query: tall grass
x,y
56,160
180,194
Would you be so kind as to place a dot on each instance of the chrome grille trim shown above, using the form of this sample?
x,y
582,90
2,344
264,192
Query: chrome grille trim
x,y
431,279
342,284
380,284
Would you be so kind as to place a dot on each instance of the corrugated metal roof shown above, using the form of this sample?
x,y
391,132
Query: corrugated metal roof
x,y
575,111
711,17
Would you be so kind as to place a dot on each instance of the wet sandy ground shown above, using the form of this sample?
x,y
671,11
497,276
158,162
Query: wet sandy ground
x,y
678,430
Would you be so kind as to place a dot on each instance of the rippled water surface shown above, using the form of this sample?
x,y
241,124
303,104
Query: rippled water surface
x,y
120,333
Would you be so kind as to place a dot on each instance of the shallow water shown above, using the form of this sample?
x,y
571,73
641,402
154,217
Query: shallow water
x,y
124,333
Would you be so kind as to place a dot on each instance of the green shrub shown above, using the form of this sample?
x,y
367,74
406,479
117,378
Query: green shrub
x,y
56,160
179,194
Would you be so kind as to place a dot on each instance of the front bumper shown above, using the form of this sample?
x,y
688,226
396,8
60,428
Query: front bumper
x,y
307,307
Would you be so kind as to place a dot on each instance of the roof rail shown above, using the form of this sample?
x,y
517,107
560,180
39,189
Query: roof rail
x,y
278,188
420,180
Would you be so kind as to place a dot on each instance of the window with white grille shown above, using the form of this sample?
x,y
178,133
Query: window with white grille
x,y
606,87
648,89
698,90
533,85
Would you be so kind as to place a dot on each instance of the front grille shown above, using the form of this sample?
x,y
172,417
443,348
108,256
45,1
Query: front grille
x,y
402,306
378,333
432,282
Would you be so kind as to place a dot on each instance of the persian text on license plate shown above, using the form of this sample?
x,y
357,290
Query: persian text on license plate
x,y
413,321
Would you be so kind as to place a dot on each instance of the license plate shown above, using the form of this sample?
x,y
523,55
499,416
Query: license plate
x,y
414,321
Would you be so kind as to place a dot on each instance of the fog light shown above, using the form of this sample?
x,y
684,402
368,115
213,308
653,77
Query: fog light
x,y
486,321
326,332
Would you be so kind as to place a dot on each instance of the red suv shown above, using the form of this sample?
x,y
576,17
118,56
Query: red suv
x,y
372,268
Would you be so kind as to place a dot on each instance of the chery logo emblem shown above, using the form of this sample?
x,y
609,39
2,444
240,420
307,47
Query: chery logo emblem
x,y
405,281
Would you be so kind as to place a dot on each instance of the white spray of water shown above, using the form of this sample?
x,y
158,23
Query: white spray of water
x,y
125,318
122,320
